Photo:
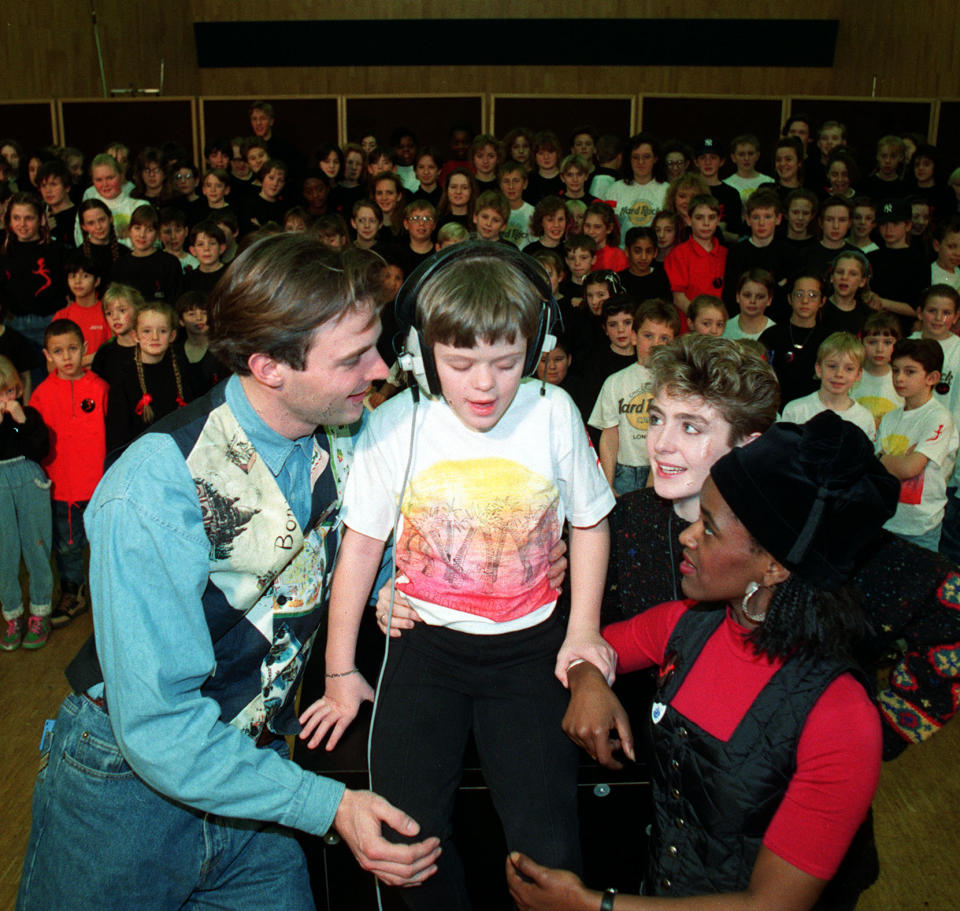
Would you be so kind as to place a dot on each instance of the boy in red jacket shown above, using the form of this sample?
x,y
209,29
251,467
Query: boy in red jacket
x,y
72,402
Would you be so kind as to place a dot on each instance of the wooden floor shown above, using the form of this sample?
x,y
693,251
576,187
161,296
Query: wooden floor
x,y
917,809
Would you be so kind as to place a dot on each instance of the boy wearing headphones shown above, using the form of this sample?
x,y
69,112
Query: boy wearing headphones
x,y
485,468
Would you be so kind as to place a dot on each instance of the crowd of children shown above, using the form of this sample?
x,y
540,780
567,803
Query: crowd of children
x,y
642,240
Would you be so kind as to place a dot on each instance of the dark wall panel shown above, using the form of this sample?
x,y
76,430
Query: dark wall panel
x,y
608,115
29,123
429,118
92,124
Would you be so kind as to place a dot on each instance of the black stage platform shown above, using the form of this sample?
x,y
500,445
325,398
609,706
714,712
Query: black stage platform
x,y
614,809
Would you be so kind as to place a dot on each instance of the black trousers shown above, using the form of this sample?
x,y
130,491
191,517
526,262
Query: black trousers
x,y
440,685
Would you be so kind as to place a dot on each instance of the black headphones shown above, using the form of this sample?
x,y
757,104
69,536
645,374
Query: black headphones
x,y
417,356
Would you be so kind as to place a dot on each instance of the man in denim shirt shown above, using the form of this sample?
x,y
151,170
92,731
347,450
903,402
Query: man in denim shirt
x,y
167,782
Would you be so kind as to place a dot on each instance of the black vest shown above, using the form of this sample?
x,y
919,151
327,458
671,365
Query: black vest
x,y
713,801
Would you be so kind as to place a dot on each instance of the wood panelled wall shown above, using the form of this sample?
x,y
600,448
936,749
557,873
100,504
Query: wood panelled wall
x,y
50,51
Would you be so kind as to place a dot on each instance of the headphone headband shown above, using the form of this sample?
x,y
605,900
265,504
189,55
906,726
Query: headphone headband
x,y
419,356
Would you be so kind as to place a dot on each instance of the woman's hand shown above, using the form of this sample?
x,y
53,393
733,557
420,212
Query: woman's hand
x,y
590,647
537,888
593,712
335,710
403,615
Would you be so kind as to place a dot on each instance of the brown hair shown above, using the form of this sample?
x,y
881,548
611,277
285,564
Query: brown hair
x,y
279,290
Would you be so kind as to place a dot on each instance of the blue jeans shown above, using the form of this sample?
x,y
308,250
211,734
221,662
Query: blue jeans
x,y
25,520
627,478
101,839
69,540
32,327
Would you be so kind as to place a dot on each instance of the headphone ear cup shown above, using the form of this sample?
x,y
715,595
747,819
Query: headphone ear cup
x,y
417,359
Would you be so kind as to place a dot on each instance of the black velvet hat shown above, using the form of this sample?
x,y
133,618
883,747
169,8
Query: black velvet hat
x,y
813,495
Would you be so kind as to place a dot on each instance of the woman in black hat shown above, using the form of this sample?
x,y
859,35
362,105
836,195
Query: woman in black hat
x,y
766,745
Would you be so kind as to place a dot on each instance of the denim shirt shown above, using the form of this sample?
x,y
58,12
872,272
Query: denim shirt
x,y
149,567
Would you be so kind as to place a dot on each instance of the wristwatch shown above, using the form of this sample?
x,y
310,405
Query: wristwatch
x,y
606,903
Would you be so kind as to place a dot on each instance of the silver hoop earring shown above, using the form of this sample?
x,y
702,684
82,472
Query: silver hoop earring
x,y
752,589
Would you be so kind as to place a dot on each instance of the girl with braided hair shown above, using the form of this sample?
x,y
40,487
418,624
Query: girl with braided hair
x,y
99,238
154,383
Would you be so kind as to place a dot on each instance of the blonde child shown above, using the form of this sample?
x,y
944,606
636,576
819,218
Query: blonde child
x,y
108,187
154,384
754,294
874,390
839,367
574,172
885,182
120,306
24,515
576,213
707,315
451,233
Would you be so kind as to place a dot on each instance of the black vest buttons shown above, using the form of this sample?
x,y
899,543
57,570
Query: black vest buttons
x,y
675,793
682,731
665,883
281,599
672,851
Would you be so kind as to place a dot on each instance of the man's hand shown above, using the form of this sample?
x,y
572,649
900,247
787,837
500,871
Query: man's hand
x,y
358,822
593,712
